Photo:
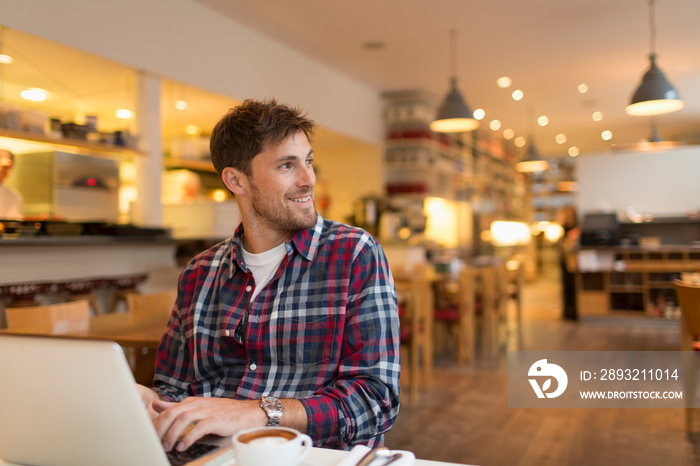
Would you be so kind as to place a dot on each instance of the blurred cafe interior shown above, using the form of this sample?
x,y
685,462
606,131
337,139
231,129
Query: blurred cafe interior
x,y
558,219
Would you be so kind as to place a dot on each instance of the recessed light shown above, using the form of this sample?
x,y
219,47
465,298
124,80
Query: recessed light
x,y
504,82
543,120
508,134
181,105
192,129
560,138
583,88
597,116
495,125
520,141
6,59
479,113
518,94
123,113
573,151
34,94
606,135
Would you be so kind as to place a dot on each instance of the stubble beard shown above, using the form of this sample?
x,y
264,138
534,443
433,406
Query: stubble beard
x,y
281,218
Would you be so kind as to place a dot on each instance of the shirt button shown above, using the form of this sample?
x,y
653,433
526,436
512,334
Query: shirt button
x,y
253,366
248,288
227,333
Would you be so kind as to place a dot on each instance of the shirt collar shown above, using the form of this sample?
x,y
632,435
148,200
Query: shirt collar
x,y
305,242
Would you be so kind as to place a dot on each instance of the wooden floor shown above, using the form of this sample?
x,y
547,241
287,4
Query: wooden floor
x,y
466,419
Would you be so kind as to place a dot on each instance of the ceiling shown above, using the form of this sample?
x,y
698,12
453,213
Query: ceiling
x,y
547,48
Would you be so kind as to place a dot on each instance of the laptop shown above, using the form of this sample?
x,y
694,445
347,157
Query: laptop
x,y
75,402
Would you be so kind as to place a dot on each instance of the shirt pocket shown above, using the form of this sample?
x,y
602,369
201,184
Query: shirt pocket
x,y
307,333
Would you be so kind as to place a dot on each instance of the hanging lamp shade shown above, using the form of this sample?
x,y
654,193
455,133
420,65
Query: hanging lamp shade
x,y
454,116
533,162
655,94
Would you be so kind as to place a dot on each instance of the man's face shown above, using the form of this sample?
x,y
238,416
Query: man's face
x,y
282,185
5,165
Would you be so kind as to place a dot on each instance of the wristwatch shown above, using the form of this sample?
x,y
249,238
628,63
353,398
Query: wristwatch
x,y
273,408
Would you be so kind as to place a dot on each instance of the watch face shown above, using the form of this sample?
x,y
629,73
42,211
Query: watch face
x,y
272,404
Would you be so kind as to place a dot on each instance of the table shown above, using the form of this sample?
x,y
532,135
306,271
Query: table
x,y
326,457
128,329
131,330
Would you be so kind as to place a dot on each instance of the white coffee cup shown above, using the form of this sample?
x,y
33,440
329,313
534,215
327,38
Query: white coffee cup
x,y
270,446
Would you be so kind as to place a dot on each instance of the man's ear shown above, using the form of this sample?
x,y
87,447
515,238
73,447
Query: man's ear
x,y
234,180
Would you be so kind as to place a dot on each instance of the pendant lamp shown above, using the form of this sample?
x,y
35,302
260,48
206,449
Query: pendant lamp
x,y
454,115
533,162
655,94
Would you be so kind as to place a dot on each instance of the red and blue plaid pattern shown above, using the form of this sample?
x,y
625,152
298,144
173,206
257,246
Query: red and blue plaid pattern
x,y
325,330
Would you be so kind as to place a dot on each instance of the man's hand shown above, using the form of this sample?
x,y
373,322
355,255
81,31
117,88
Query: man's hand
x,y
148,396
181,424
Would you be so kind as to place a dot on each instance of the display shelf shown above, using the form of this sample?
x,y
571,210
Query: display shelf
x,y
190,164
22,141
634,279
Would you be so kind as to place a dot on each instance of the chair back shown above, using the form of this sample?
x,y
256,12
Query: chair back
x,y
18,317
420,306
161,302
688,295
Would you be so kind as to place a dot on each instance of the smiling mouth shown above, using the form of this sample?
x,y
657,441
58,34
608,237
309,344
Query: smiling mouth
x,y
300,200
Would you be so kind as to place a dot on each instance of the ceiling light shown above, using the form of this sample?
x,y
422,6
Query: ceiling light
x,y
533,162
6,59
655,94
495,125
560,138
34,94
479,113
606,135
180,105
504,82
597,116
520,141
583,88
573,151
543,120
454,115
192,129
123,113
508,134
518,94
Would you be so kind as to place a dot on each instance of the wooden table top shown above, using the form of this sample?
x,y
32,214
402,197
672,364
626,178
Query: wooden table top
x,y
137,329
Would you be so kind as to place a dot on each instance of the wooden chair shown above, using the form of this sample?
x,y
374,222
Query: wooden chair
x,y
689,300
70,312
417,332
489,311
161,301
459,317
142,360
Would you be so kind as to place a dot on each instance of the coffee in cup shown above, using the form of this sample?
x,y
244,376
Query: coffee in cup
x,y
270,446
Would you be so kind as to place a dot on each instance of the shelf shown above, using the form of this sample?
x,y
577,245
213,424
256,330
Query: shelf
x,y
626,288
22,141
190,164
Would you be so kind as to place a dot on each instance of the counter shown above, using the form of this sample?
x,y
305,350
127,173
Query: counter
x,y
45,264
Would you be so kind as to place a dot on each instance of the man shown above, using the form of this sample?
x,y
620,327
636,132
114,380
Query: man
x,y
10,200
293,320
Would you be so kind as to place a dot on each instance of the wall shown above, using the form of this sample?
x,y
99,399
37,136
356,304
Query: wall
x,y
662,183
191,43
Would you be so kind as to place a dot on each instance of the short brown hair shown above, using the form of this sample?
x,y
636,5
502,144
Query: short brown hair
x,y
252,127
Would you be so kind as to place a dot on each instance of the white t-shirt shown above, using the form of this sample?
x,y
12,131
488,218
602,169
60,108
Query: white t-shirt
x,y
264,265
10,204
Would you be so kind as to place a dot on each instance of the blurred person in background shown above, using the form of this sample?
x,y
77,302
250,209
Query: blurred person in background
x,y
10,200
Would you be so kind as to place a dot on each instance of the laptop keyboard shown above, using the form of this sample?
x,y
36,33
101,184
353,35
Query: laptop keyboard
x,y
181,458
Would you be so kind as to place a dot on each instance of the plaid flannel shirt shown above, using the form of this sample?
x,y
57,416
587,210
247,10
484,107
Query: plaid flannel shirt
x,y
324,330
